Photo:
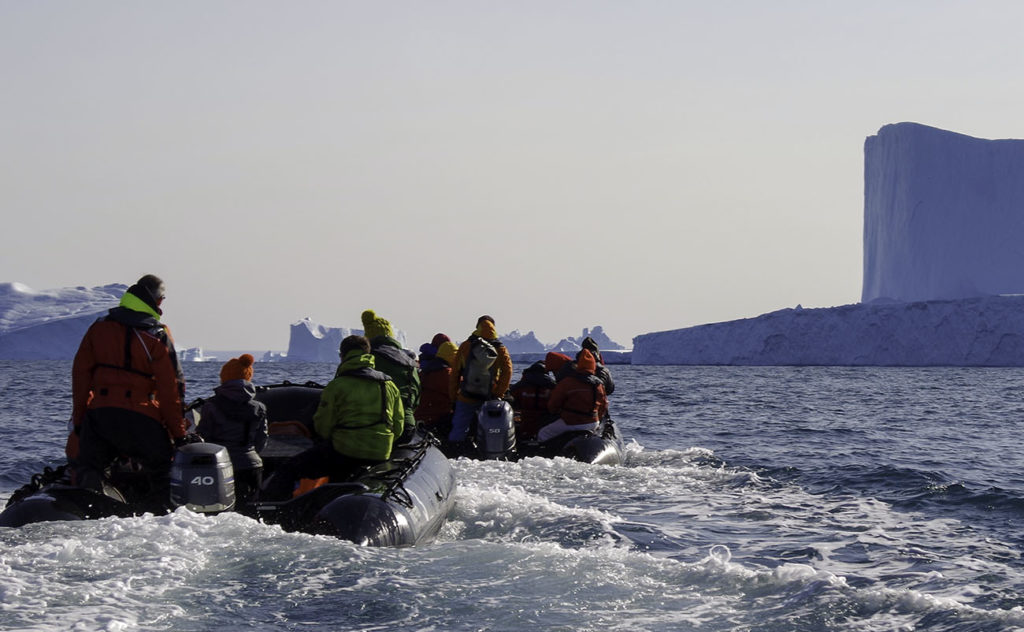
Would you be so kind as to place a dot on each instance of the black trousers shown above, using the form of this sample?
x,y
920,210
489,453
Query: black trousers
x,y
316,462
109,433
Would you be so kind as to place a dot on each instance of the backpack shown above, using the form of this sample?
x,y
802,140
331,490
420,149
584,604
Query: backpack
x,y
478,374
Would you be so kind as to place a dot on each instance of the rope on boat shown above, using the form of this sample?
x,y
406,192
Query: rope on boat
x,y
48,476
394,480
307,384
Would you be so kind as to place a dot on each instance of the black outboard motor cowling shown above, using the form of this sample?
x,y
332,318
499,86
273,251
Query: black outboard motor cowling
x,y
496,431
202,478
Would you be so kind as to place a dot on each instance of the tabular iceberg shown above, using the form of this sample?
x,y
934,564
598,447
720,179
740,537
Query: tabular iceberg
x,y
943,215
968,332
943,261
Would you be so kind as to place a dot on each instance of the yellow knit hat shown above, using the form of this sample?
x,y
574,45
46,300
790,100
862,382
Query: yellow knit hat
x,y
447,352
374,325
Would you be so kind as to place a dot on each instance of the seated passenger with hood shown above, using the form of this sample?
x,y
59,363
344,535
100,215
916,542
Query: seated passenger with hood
x,y
234,419
578,400
435,408
358,421
530,399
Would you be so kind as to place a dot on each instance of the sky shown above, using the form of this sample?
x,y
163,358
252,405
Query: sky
x,y
639,165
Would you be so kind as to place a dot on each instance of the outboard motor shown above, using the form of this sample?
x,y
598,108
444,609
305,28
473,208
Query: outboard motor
x,y
202,478
496,431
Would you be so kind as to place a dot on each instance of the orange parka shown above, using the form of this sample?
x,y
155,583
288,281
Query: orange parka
x,y
127,360
580,397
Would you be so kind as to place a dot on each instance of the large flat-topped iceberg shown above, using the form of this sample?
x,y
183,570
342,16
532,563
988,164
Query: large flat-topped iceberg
x,y
943,268
943,215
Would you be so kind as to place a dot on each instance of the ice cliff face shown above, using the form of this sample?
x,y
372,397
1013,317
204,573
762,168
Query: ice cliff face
x,y
49,324
312,342
943,215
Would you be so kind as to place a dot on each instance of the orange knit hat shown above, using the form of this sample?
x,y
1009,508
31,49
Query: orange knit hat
x,y
239,368
585,362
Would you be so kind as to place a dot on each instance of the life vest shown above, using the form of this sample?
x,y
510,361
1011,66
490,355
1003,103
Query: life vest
x,y
479,371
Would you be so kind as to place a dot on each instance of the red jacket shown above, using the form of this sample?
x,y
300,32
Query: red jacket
x,y
435,402
579,399
531,402
127,360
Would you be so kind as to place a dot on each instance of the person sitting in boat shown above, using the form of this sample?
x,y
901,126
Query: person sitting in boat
x,y
562,365
435,409
234,419
482,371
579,400
127,390
530,397
390,358
602,371
358,420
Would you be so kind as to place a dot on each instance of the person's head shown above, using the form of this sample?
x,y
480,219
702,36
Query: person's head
x,y
447,352
150,290
354,343
375,326
154,285
585,362
554,361
590,345
427,350
239,368
537,368
439,339
485,328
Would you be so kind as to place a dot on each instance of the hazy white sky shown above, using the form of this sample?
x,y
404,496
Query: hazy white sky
x,y
639,165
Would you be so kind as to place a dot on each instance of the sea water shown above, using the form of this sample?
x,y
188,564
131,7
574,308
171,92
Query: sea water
x,y
752,499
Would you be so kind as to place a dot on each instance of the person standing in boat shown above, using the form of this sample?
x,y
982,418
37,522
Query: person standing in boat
x,y
435,409
400,364
234,419
127,389
579,400
482,371
358,420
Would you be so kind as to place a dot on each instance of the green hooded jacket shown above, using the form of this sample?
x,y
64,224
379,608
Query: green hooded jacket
x,y
390,358
352,415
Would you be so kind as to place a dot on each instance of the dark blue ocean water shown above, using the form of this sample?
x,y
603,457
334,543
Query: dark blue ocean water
x,y
753,499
